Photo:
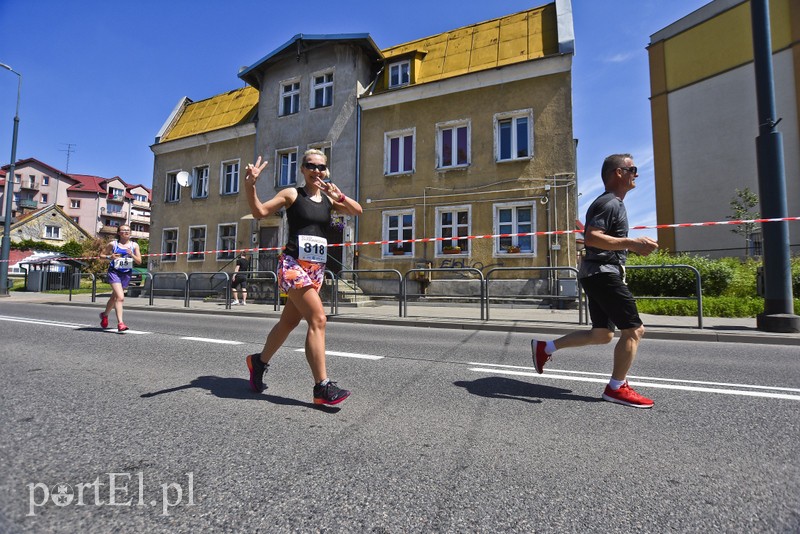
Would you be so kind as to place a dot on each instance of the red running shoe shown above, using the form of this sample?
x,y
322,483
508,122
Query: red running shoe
x,y
329,394
627,396
121,327
103,320
540,357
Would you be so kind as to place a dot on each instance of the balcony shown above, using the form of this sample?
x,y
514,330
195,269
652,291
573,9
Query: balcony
x,y
116,197
140,219
107,229
27,203
140,235
116,215
31,186
141,204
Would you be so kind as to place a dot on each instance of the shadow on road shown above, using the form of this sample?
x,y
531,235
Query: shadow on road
x,y
237,388
496,387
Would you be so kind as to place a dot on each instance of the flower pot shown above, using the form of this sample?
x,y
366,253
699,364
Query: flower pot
x,y
451,251
399,252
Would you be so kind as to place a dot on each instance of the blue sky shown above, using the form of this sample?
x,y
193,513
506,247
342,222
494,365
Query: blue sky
x,y
103,76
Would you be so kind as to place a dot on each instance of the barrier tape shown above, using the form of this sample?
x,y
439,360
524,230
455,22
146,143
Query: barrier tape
x,y
434,239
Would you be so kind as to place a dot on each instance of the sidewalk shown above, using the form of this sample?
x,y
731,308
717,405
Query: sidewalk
x,y
502,318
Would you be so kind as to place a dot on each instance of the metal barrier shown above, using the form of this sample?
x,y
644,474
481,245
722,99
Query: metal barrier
x,y
211,275
164,275
335,296
399,295
269,276
404,291
94,285
580,296
698,288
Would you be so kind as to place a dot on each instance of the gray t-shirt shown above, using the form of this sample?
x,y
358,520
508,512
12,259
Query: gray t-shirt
x,y
607,213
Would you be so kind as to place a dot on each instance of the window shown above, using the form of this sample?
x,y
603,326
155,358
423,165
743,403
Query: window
x,y
169,244
74,204
45,180
226,241
200,182
44,199
514,135
197,242
76,220
17,178
399,74
140,197
114,208
514,219
138,228
290,98
453,222
322,90
173,189
452,144
52,232
230,177
111,222
116,193
287,167
398,225
399,152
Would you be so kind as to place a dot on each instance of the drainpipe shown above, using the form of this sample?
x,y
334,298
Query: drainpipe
x,y
356,222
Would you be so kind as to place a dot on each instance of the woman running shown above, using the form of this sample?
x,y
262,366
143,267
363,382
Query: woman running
x,y
123,253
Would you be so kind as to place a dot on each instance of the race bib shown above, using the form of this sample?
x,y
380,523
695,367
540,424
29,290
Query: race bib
x,y
123,264
312,248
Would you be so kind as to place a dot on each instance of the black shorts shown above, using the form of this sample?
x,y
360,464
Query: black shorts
x,y
238,280
611,303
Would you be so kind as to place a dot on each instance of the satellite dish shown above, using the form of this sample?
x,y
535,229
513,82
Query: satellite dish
x,y
184,179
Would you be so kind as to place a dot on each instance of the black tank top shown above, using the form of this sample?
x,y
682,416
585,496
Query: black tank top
x,y
306,217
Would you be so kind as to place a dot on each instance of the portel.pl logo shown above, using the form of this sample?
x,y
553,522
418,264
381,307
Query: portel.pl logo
x,y
111,489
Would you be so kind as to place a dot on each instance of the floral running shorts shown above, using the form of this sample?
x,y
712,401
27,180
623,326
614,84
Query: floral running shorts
x,y
297,274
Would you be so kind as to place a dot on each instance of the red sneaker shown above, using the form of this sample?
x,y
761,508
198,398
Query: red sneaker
x,y
121,327
103,320
627,396
540,357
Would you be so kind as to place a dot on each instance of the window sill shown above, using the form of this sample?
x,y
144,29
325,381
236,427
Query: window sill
x,y
453,168
512,160
399,174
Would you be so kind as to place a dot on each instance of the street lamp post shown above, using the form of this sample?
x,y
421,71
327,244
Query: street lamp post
x,y
5,251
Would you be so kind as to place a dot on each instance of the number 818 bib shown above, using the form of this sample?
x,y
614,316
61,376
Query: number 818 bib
x,y
312,248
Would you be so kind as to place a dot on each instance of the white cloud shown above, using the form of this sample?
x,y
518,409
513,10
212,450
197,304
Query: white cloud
x,y
621,58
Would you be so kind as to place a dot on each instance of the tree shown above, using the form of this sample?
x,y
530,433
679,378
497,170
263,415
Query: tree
x,y
742,206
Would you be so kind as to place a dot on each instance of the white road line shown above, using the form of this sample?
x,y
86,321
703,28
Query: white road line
x,y
41,322
348,354
642,384
208,340
676,380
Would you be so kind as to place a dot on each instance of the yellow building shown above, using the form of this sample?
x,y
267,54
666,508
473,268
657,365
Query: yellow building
x,y
703,100
469,132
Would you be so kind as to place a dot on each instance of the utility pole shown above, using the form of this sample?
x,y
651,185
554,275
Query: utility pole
x,y
778,313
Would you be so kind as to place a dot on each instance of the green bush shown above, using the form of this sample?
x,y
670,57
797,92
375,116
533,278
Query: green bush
x,y
712,306
715,276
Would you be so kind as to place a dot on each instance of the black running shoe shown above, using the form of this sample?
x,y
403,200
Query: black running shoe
x,y
257,369
329,394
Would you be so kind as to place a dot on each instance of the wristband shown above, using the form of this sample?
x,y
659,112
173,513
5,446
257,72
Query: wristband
x,y
342,198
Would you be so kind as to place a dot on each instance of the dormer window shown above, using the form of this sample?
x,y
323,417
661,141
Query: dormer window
x,y
399,74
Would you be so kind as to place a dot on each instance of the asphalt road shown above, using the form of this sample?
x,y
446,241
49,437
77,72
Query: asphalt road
x,y
446,431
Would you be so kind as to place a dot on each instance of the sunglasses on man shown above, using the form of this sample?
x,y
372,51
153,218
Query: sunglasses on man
x,y
632,170
312,167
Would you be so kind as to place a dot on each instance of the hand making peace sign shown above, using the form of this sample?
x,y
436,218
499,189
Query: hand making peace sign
x,y
252,171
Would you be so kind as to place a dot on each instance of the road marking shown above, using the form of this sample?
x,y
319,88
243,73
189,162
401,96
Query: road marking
x,y
574,378
208,340
41,322
348,354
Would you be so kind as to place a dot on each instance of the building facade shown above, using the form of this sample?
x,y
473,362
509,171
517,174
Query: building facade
x,y
705,123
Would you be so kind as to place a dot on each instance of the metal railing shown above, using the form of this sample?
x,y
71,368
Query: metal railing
x,y
211,276
79,276
268,276
165,275
477,272
356,272
698,287
580,295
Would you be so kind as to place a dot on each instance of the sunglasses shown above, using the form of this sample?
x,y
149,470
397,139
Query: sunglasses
x,y
632,170
312,167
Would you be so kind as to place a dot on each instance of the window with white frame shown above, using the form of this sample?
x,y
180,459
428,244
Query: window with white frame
x,y
226,241
453,144
111,222
398,225
173,188
399,152
43,199
514,218
514,135
17,178
287,167
453,222
114,208
290,97
135,227
140,197
322,90
197,242
169,244
52,231
74,203
399,74
45,180
200,182
230,177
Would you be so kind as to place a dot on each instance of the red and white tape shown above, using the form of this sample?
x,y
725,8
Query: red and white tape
x,y
434,239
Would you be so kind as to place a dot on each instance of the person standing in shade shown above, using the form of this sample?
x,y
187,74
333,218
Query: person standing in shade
x,y
121,253
301,267
239,284
602,276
